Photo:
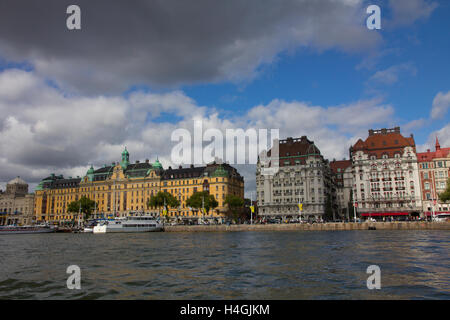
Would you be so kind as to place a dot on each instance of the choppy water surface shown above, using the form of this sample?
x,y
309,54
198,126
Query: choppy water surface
x,y
234,265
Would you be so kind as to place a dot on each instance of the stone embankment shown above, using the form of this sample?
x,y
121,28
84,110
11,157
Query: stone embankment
x,y
313,227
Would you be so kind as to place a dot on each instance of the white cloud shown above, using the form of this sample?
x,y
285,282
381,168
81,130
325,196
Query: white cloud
x,y
442,134
441,104
406,12
48,131
391,75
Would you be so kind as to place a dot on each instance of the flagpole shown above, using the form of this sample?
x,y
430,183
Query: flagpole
x,y
251,204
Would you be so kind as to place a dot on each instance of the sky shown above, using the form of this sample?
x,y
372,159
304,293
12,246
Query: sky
x,y
136,72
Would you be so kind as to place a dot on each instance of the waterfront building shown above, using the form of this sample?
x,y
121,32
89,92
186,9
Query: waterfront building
x,y
434,168
218,179
386,176
124,187
343,176
303,178
16,204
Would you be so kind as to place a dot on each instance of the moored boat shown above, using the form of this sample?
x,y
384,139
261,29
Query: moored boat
x,y
26,229
129,224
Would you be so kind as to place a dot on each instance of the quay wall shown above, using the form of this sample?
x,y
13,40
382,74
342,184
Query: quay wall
x,y
313,227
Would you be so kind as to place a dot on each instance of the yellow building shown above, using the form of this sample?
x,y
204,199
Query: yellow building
x,y
125,187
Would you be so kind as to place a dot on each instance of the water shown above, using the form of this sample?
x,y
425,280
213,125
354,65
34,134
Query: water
x,y
234,265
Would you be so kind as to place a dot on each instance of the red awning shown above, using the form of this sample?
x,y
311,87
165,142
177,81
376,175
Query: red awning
x,y
384,214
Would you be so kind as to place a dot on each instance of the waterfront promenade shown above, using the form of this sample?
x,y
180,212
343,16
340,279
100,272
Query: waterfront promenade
x,y
313,227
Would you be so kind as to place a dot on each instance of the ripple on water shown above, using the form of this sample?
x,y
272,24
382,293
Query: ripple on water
x,y
240,265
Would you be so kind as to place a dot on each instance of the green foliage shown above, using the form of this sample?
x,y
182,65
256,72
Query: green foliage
x,y
160,198
87,206
445,196
328,209
234,202
235,207
198,198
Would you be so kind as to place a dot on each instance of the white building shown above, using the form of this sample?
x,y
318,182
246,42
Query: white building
x,y
303,177
385,173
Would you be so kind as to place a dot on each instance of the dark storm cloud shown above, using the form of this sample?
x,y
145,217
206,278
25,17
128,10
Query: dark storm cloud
x,y
168,42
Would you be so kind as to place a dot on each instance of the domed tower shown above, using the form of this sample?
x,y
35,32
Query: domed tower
x,y
125,159
90,173
17,187
157,165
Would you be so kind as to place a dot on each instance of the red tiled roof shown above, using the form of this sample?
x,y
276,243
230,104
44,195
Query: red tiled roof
x,y
430,155
383,141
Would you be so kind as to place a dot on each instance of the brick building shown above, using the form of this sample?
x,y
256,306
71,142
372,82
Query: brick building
x,y
434,167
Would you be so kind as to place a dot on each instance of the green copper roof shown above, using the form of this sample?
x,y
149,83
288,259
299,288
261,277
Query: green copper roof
x,y
220,172
90,173
157,164
40,186
124,152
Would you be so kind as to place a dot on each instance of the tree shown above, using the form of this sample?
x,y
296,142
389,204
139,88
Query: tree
x,y
445,196
235,206
329,213
86,204
162,199
199,199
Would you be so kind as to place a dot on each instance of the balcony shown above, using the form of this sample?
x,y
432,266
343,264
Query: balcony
x,y
399,178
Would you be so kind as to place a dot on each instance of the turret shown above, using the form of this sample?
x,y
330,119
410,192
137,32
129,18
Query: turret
x,y
125,159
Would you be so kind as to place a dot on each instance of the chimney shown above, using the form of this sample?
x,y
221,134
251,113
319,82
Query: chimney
x,y
192,166
180,167
146,161
137,161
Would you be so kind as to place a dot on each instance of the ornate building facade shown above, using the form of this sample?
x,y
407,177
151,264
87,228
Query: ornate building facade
x,y
434,169
304,178
385,173
16,204
124,187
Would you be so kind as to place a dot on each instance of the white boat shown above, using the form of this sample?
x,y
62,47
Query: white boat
x,y
88,229
129,224
441,217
